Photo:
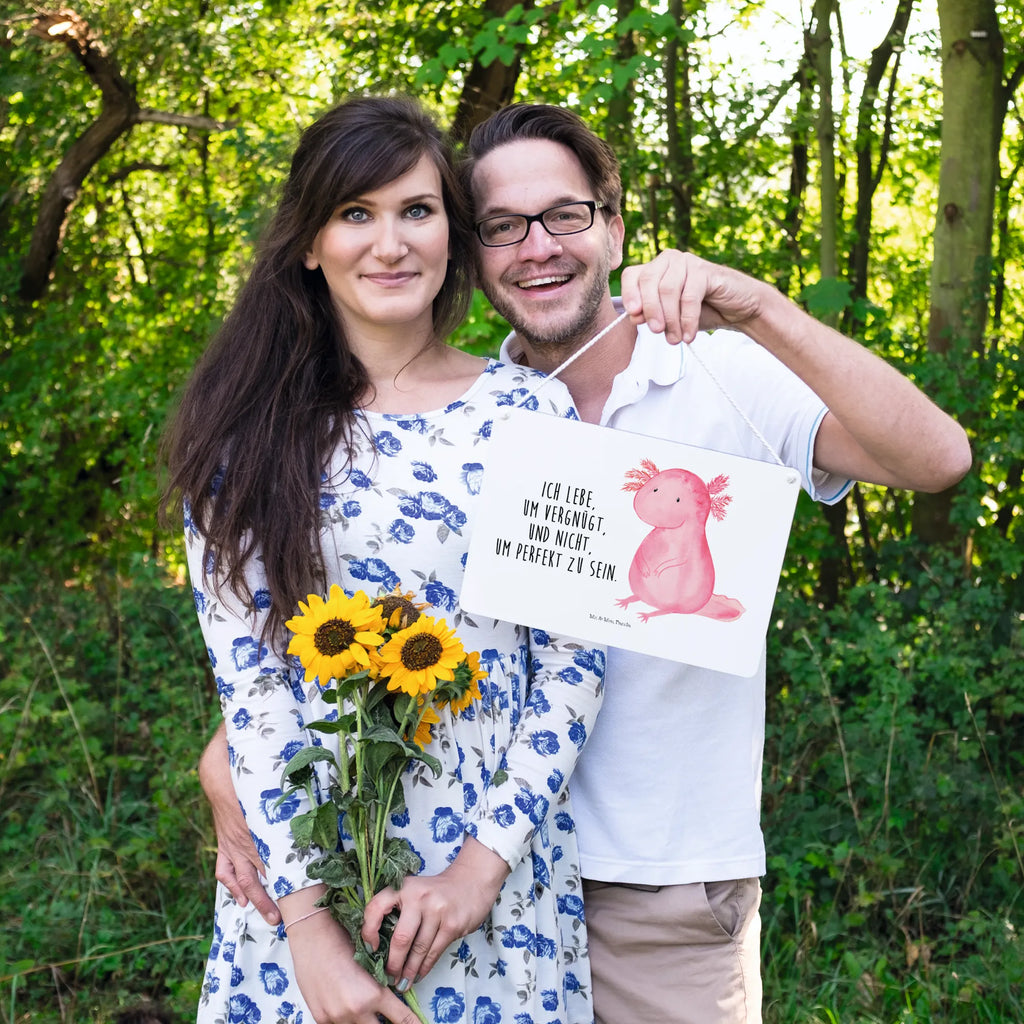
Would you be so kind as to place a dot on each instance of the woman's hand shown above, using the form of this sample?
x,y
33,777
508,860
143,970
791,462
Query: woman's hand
x,y
238,865
336,989
435,910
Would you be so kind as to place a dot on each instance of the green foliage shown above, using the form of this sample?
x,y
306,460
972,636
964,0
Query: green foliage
x,y
893,780
103,835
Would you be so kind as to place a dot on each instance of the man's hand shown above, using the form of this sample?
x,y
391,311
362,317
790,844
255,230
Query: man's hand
x,y
680,294
238,864
435,910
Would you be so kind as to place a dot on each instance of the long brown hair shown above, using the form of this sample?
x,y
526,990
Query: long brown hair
x,y
275,393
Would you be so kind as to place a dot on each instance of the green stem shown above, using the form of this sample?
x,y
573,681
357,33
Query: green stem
x,y
414,1004
360,834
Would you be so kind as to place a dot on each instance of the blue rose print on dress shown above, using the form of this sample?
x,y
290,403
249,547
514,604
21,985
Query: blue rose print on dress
x,y
564,822
541,875
440,596
274,978
590,660
454,518
549,999
446,825
386,443
484,433
374,570
290,749
518,937
578,734
414,424
573,676
486,1011
539,702
545,948
237,977
357,478
282,887
242,1010
327,501
473,476
504,815
351,509
555,781
274,811
247,653
401,531
533,805
241,718
448,1005
424,472
544,741
200,600
261,599
572,905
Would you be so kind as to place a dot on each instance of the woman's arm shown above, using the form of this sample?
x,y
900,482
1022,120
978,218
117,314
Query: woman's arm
x,y
567,679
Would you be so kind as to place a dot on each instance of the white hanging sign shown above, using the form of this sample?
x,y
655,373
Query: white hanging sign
x,y
629,541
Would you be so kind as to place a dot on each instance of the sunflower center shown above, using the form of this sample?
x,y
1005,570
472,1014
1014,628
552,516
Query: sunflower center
x,y
334,636
421,651
391,603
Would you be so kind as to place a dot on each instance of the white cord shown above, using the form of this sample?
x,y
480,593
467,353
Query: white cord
x,y
690,350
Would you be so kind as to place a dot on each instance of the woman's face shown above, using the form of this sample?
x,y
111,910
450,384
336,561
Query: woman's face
x,y
384,254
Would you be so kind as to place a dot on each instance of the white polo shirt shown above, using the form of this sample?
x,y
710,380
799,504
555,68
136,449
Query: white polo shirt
x,y
668,788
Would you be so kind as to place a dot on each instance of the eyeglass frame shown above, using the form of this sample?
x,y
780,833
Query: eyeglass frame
x,y
593,205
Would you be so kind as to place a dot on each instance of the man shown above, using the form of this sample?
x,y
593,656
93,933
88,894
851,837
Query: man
x,y
667,791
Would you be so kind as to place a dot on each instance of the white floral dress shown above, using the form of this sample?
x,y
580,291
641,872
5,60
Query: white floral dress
x,y
402,515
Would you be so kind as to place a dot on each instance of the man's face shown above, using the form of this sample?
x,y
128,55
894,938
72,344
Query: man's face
x,y
552,289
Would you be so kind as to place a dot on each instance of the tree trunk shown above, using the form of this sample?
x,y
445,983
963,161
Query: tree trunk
x,y
972,112
869,171
819,53
487,89
117,115
679,130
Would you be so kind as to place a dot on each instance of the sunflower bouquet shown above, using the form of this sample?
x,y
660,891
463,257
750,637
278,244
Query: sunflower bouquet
x,y
390,669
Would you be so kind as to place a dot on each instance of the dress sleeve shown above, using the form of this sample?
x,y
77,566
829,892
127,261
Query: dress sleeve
x,y
263,704
564,696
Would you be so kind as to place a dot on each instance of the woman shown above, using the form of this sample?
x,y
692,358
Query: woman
x,y
329,435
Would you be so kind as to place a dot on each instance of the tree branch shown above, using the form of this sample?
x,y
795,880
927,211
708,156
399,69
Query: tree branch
x,y
119,112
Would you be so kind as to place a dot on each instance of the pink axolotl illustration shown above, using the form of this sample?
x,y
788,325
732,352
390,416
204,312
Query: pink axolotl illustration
x,y
672,569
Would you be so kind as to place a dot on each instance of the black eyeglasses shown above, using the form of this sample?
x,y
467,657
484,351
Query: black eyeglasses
x,y
565,219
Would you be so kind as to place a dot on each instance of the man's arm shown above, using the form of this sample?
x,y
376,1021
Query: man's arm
x,y
238,864
881,428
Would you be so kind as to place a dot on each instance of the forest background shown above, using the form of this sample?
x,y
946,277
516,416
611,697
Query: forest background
x,y
865,157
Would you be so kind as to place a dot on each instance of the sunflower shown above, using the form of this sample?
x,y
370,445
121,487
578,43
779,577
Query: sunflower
x,y
471,669
423,734
399,608
417,657
332,636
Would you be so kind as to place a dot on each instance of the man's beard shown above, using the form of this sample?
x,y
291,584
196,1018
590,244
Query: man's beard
x,y
570,333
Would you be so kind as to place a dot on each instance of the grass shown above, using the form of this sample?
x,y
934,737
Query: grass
x,y
893,809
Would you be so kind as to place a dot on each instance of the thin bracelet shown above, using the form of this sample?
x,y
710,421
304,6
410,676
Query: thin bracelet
x,y
312,913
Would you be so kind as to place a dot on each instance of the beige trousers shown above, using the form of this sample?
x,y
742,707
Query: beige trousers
x,y
675,954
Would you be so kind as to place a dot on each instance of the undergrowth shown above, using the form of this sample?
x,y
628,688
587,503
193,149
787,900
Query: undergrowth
x,y
892,789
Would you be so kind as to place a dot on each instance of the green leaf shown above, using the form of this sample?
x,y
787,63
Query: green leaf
x,y
828,297
339,869
302,826
297,771
325,826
